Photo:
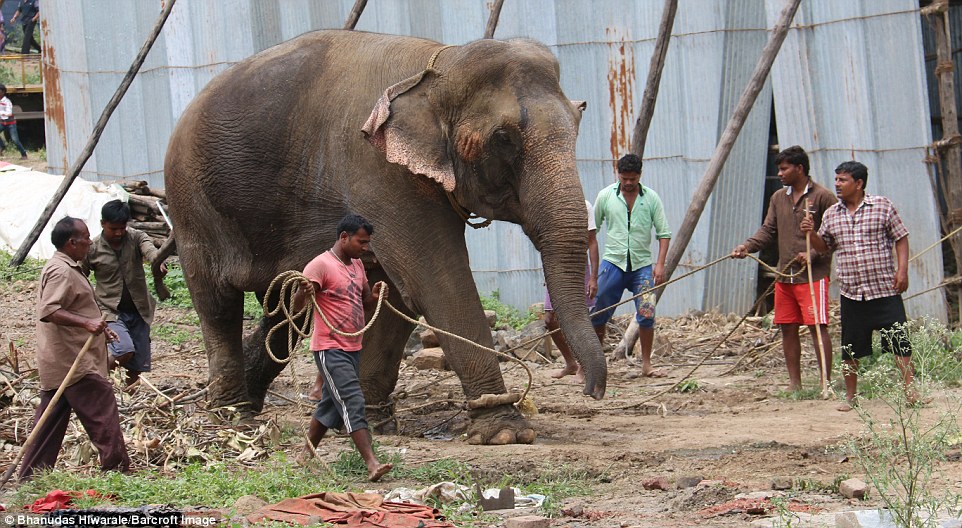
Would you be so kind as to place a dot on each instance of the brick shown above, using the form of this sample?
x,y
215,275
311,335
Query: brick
x,y
852,488
527,521
429,358
656,483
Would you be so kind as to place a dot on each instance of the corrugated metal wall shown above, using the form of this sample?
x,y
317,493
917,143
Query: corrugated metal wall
x,y
844,93
604,48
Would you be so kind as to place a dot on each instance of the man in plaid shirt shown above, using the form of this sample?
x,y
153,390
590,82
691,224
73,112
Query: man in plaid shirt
x,y
861,229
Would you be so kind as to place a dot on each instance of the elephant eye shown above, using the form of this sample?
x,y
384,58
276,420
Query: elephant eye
x,y
506,143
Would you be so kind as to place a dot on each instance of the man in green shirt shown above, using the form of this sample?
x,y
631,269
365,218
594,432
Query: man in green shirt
x,y
629,211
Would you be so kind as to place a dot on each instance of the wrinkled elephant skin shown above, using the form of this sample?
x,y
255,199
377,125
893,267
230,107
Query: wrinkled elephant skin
x,y
274,151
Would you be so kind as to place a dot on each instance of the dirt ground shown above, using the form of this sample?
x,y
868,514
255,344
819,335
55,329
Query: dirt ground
x,y
734,430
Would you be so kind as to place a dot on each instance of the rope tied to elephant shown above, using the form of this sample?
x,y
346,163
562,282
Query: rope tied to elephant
x,y
286,283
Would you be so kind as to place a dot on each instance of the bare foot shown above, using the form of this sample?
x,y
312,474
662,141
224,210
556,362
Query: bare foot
x,y
652,373
569,371
379,472
845,407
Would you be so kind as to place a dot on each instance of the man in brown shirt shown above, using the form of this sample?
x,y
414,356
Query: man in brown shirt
x,y
67,314
117,259
793,299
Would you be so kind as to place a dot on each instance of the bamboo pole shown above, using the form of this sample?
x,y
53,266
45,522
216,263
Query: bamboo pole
x,y
819,349
728,137
46,412
639,136
493,19
94,138
355,14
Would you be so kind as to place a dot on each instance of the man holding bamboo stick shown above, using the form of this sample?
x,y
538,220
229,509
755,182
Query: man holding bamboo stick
x,y
68,315
793,301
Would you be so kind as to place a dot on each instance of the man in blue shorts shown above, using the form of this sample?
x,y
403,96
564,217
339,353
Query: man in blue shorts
x,y
630,211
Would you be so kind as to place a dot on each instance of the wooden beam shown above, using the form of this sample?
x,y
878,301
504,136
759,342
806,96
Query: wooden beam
x,y
640,134
88,150
493,19
355,14
681,239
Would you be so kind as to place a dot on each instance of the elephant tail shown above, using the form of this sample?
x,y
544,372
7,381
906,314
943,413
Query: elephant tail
x,y
165,251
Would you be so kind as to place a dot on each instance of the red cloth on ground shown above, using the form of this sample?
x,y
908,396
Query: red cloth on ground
x,y
57,500
352,510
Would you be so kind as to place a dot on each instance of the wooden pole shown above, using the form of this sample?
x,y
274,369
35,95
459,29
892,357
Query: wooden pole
x,y
937,15
46,412
728,137
639,136
493,19
355,14
88,150
819,349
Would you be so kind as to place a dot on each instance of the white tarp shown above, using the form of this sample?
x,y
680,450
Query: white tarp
x,y
24,194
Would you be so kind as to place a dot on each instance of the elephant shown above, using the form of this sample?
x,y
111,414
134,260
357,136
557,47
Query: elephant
x,y
410,134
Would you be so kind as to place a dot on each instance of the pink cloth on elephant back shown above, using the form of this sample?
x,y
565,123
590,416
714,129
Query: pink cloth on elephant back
x,y
339,291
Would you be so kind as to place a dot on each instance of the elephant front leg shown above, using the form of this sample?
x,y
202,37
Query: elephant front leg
x,y
221,321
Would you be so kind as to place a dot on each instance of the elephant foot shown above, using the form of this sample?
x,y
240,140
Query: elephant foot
x,y
499,426
381,419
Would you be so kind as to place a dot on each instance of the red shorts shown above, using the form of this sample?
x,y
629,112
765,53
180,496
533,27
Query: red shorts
x,y
793,303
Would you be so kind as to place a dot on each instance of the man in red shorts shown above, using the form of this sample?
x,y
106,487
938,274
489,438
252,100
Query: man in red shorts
x,y
793,299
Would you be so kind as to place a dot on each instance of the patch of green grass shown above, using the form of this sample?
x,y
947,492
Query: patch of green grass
x,y
28,271
445,470
507,314
173,334
813,392
688,385
557,484
216,485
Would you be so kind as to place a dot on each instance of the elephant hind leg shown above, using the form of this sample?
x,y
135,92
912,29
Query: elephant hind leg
x,y
260,367
381,356
221,309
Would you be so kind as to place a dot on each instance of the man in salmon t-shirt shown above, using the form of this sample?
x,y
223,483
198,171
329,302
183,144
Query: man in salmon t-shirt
x,y
339,285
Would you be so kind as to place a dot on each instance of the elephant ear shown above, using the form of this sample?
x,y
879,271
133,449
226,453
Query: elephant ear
x,y
405,128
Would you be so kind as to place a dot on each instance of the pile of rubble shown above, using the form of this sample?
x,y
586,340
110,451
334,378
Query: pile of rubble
x,y
148,211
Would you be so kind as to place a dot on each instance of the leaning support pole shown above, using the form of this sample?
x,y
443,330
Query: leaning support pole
x,y
728,137
493,19
355,14
819,347
88,150
46,412
639,136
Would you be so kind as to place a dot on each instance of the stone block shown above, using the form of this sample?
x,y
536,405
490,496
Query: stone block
x,y
528,521
852,488
492,317
248,504
429,339
429,358
783,483
688,482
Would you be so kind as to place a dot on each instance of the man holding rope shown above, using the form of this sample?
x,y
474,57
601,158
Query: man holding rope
x,y
339,286
793,303
861,229
68,314
629,210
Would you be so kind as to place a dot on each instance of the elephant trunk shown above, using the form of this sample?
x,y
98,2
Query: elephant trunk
x,y
557,223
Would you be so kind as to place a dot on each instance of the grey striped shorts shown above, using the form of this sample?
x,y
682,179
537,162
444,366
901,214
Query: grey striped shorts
x,y
342,402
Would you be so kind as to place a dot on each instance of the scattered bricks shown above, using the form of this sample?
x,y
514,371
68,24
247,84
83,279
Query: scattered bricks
x,y
527,521
429,339
688,482
429,358
248,504
852,489
783,483
492,317
656,483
